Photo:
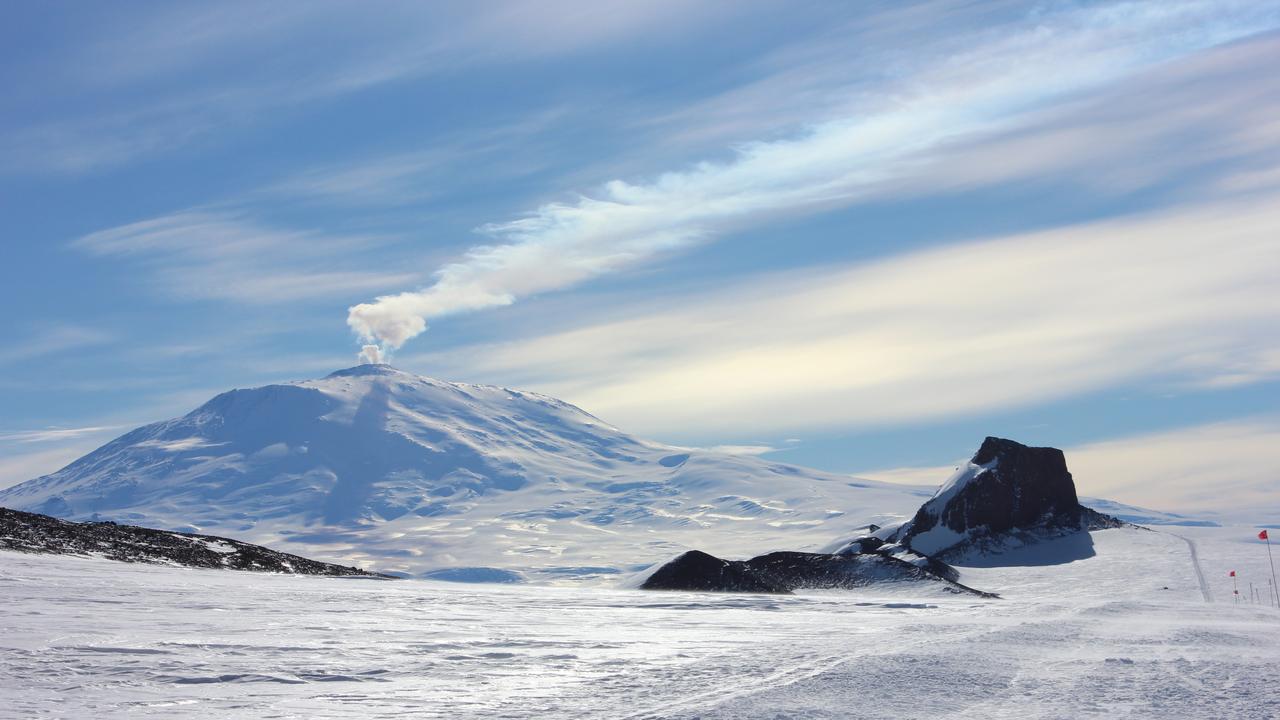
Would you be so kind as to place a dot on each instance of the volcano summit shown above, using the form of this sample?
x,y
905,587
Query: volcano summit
x,y
376,467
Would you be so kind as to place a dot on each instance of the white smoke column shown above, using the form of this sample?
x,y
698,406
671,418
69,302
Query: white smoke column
x,y
370,355
992,87
559,246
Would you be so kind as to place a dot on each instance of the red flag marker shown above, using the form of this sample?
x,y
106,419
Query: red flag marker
x,y
1275,586
1231,574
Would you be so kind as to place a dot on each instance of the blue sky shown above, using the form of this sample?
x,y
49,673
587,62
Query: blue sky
x,y
861,235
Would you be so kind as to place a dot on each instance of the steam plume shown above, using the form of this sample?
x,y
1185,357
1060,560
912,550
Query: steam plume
x,y
991,87
370,354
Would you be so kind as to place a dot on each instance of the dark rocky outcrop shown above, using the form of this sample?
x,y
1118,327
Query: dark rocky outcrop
x,y
1008,495
1006,490
784,572
696,570
1019,486
34,533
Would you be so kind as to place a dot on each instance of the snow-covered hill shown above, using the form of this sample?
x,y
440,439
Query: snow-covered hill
x,y
379,468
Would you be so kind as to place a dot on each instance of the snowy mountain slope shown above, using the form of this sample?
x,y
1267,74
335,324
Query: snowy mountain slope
x,y
379,468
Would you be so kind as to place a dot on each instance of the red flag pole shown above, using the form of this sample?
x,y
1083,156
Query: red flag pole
x,y
1274,587
1235,590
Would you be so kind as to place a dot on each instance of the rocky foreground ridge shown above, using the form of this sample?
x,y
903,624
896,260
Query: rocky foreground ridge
x,y
35,533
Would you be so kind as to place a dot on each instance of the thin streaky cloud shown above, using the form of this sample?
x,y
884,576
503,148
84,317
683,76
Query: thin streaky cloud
x,y
980,90
55,434
257,62
1224,469
475,156
51,340
1180,297
222,254
20,467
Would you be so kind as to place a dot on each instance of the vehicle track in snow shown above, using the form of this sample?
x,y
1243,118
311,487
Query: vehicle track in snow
x,y
1195,563
694,705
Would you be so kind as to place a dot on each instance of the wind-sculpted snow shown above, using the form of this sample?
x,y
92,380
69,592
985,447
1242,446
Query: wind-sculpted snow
x,y
1123,633
382,469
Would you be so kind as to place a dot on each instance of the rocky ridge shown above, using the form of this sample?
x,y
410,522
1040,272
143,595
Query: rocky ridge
x,y
35,533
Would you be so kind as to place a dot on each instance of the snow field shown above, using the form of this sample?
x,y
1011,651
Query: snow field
x,y
1080,638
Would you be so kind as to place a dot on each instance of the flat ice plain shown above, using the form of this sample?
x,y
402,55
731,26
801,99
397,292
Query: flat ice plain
x,y
1097,636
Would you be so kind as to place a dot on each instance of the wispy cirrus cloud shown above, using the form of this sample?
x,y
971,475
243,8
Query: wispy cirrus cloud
x,y
164,77
222,254
25,454
20,467
54,434
1223,468
839,71
53,339
1183,297
452,164
986,88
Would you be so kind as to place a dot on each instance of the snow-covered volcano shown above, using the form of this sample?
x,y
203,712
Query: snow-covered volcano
x,y
388,470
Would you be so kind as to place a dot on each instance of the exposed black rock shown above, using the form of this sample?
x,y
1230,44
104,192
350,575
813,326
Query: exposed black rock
x,y
864,544
1008,495
1007,490
821,571
696,570
784,572
34,533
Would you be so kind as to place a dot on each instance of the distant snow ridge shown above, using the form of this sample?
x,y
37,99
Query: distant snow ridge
x,y
380,468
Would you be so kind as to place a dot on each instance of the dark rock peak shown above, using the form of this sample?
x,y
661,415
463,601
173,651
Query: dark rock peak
x,y
696,570
1006,488
1020,487
994,448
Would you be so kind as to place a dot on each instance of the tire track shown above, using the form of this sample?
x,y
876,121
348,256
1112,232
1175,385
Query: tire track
x,y
1195,562
931,634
